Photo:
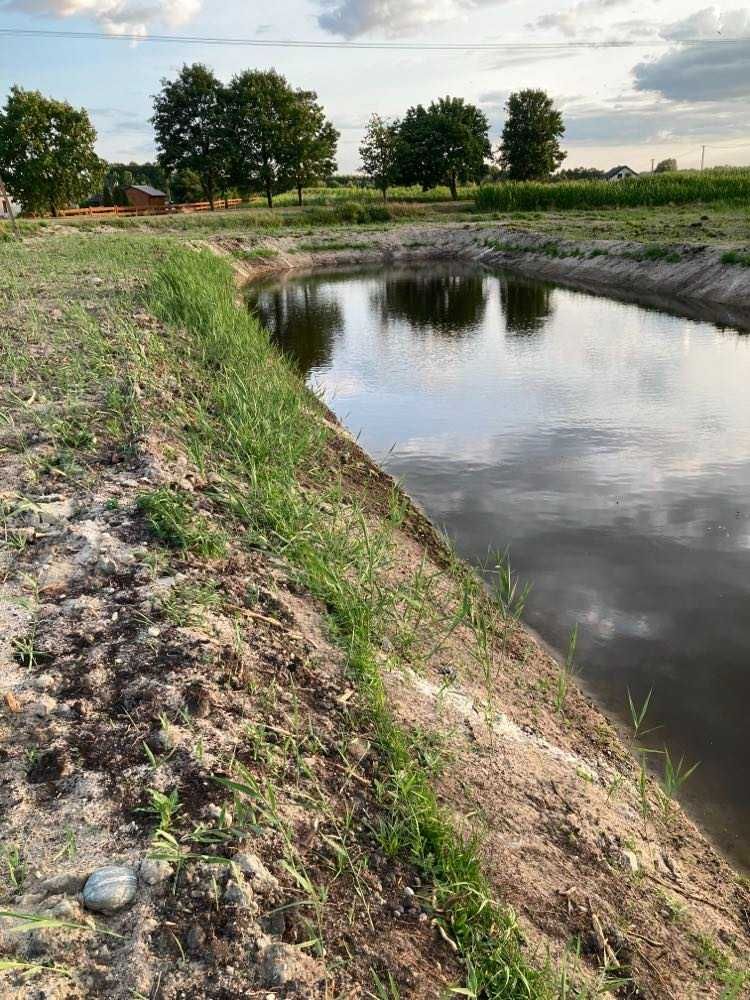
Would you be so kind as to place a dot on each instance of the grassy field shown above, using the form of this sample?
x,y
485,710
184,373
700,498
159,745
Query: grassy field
x,y
407,195
685,187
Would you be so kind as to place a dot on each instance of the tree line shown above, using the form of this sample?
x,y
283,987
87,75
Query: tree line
x,y
259,134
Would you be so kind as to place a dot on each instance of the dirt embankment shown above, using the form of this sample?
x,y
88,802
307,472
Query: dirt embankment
x,y
183,713
688,279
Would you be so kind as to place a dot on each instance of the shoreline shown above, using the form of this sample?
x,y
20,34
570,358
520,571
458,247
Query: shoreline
x,y
224,578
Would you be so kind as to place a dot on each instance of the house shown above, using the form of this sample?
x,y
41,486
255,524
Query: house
x,y
143,196
619,173
7,205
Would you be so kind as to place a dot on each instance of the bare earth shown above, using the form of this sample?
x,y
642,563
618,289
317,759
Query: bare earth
x,y
121,677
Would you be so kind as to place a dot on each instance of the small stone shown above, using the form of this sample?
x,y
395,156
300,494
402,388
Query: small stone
x,y
110,889
107,566
630,860
42,708
408,892
251,866
44,682
284,965
358,749
64,909
196,939
152,871
237,895
397,912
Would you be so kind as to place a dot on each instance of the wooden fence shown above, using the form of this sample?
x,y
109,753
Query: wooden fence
x,y
127,211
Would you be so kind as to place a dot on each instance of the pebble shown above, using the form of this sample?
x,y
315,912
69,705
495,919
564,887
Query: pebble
x,y
110,889
42,708
152,872
256,871
196,939
237,895
630,859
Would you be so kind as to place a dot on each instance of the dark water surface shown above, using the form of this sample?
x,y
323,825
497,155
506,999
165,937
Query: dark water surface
x,y
607,444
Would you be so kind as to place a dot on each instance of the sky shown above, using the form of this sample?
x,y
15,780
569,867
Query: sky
x,y
680,78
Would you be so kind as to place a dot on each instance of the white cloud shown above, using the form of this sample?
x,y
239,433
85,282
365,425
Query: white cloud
x,y
581,17
116,16
394,18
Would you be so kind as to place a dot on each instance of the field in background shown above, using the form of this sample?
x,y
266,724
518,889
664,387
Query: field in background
x,y
338,195
681,188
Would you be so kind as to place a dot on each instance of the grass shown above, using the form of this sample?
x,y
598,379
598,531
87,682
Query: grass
x,y
680,188
253,420
172,520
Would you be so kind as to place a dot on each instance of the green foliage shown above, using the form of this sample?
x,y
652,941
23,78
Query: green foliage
x,y
378,152
47,155
530,147
311,142
172,519
685,187
190,125
446,143
666,166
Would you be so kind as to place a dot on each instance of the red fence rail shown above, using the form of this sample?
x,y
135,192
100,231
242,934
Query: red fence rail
x,y
130,210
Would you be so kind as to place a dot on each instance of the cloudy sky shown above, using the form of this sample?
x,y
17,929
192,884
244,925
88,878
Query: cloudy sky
x,y
678,79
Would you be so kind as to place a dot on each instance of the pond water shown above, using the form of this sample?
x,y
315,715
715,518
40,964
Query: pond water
x,y
606,444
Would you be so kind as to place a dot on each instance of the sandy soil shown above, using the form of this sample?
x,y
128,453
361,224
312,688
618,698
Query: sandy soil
x,y
126,677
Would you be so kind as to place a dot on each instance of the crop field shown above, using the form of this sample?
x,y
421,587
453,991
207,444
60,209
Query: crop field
x,y
651,190
337,195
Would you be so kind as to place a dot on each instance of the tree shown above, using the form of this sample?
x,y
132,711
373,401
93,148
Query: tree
x,y
312,142
579,174
666,166
262,113
530,148
446,143
378,152
47,154
189,121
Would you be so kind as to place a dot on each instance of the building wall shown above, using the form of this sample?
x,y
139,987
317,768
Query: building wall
x,y
138,199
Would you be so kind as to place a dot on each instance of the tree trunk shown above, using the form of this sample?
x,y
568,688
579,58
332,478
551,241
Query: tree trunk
x,y
384,189
453,187
269,194
299,195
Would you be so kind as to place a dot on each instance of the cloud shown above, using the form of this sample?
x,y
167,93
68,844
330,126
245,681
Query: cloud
x,y
581,17
716,71
115,16
350,18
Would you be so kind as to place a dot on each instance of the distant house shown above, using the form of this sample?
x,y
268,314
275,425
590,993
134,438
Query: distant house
x,y
143,196
6,205
619,173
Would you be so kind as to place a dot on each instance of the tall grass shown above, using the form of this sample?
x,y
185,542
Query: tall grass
x,y
334,196
680,188
250,418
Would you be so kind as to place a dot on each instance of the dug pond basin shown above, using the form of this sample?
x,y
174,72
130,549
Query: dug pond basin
x,y
606,445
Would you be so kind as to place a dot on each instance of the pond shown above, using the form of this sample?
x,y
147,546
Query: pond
x,y
606,444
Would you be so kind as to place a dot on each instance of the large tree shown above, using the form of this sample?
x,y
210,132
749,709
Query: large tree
x,y
446,143
47,154
190,124
530,147
666,166
312,142
378,152
261,118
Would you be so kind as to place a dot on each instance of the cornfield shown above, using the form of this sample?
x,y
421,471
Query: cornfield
x,y
679,188
324,196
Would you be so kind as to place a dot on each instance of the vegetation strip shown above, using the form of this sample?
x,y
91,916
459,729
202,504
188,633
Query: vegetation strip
x,y
261,433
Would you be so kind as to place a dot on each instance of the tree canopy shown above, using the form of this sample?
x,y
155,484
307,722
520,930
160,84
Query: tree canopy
x,y
280,137
378,152
666,166
312,142
47,154
190,125
446,143
530,147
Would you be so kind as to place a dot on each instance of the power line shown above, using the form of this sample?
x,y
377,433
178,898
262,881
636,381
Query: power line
x,y
385,46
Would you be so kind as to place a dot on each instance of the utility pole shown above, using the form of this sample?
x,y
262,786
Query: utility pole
x,y
4,196
703,156
652,164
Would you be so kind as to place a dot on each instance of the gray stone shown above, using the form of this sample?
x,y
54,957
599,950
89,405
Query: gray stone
x,y
110,889
284,965
152,872
256,872
237,895
196,939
